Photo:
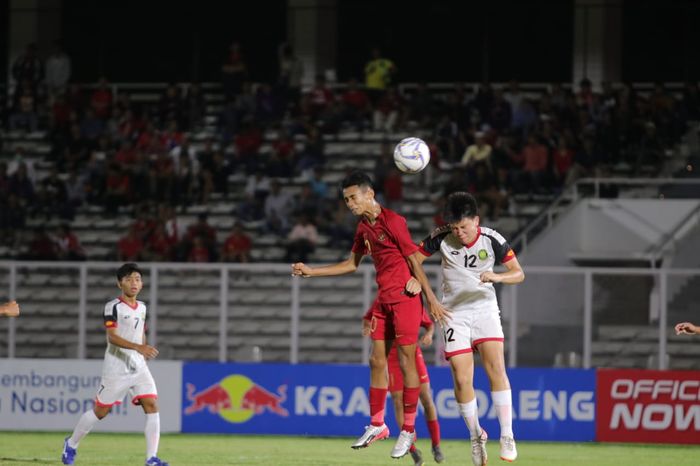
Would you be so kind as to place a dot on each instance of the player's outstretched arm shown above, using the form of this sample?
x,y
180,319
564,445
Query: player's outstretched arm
x,y
437,310
686,328
349,265
9,309
514,274
149,352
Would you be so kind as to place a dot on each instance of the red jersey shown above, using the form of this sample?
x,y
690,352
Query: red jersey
x,y
389,244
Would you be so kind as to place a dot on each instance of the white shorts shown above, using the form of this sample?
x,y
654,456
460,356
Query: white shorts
x,y
465,330
113,389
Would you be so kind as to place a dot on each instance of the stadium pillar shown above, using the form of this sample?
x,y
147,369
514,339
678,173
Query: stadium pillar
x,y
312,32
32,21
597,41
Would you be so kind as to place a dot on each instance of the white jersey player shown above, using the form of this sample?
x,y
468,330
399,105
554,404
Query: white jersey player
x,y
469,313
124,368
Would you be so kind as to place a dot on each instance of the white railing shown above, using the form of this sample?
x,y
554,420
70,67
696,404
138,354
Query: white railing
x,y
512,314
574,193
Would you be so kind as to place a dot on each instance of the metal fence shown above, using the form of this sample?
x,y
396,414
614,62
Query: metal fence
x,y
578,314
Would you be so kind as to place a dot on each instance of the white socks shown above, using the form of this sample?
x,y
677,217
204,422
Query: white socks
x,y
85,424
152,432
470,413
503,401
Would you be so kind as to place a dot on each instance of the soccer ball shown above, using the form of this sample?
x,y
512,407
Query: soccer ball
x,y
411,155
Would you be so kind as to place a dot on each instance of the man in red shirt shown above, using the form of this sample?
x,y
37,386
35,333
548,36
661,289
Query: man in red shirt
x,y
383,234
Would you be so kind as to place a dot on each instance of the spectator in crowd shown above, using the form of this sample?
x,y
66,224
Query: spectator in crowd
x,y
159,246
562,161
130,247
356,105
58,70
171,106
393,190
69,247
195,107
302,240
277,206
41,246
237,246
101,99
201,234
536,161
388,111
24,115
13,218
478,153
379,72
291,73
199,252
342,228
234,70
28,68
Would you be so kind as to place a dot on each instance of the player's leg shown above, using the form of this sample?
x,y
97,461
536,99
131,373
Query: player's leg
x,y
462,366
488,338
458,351
426,399
396,390
406,318
431,419
110,393
144,393
494,364
377,430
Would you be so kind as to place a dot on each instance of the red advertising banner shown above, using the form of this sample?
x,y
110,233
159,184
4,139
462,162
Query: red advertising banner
x,y
648,406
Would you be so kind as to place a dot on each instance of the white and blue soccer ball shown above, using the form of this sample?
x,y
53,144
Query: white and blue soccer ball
x,y
411,155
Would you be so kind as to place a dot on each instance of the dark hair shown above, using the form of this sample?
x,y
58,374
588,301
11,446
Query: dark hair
x,y
127,269
357,178
460,205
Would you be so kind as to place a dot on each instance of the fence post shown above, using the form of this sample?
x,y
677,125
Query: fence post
x,y
153,307
663,313
587,318
513,328
223,314
294,323
11,324
82,312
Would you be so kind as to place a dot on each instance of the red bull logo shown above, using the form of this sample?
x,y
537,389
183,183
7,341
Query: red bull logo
x,y
236,399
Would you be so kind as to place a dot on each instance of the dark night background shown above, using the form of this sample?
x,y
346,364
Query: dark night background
x,y
437,41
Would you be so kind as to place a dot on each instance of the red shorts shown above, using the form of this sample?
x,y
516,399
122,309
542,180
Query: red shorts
x,y
397,321
395,374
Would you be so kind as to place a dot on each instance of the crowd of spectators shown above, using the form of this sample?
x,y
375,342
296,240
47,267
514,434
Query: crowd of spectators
x,y
141,159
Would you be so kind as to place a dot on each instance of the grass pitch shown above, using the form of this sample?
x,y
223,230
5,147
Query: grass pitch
x,y
24,449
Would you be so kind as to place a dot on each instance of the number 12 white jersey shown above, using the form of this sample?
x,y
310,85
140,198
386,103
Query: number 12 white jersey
x,y
463,265
130,324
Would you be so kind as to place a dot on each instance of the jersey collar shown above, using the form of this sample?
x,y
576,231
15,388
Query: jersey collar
x,y
478,233
134,307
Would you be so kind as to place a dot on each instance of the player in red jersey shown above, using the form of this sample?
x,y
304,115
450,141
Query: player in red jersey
x,y
384,235
396,382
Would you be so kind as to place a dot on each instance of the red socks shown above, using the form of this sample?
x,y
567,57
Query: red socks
x,y
377,405
410,405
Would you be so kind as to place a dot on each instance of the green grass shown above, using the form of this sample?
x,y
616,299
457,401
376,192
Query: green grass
x,y
23,449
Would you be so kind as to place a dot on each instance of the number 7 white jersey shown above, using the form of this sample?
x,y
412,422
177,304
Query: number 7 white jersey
x,y
462,267
130,324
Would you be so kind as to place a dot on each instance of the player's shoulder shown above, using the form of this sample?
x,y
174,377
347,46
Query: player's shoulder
x,y
493,235
110,304
140,303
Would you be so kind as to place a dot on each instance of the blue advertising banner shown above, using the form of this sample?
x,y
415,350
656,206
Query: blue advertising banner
x,y
548,404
